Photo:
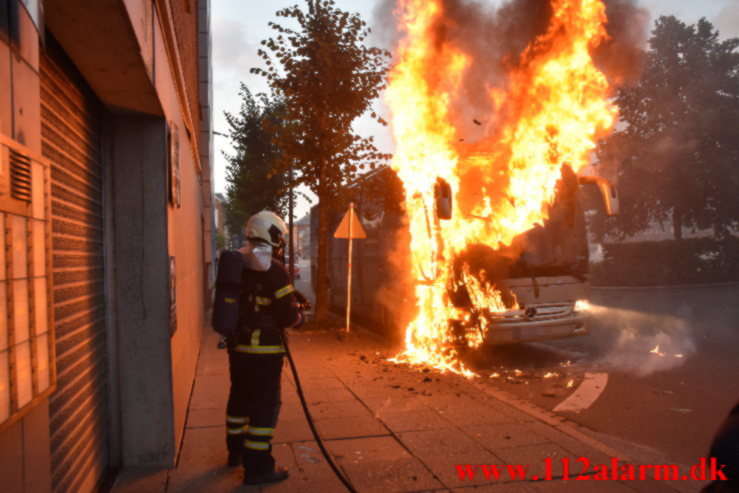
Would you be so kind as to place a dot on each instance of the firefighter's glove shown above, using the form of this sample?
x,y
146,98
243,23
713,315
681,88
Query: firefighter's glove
x,y
302,301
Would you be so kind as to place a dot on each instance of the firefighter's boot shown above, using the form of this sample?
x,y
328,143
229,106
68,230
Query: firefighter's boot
x,y
235,459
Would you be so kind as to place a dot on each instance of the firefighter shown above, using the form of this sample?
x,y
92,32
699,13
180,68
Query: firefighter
x,y
256,353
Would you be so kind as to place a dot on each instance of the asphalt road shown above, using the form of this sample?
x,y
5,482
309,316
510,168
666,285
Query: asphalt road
x,y
669,398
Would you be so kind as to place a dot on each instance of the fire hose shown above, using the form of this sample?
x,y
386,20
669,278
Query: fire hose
x,y
304,305
311,423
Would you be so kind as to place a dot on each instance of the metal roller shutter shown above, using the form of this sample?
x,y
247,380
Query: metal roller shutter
x,y
79,415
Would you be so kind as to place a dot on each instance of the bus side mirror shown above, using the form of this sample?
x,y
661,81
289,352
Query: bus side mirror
x,y
607,191
443,197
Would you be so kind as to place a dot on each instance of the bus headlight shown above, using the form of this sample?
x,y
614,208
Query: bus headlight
x,y
582,306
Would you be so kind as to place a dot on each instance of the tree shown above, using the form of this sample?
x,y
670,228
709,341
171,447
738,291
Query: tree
x,y
677,156
220,241
325,78
253,184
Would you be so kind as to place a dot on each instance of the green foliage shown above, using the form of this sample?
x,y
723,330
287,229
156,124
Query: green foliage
x,y
252,183
678,154
220,241
325,78
653,263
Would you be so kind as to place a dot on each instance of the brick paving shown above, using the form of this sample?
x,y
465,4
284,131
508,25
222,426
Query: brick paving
x,y
390,428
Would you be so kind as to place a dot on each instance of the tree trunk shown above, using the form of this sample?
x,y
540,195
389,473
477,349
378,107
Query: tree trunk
x,y
291,229
321,274
677,224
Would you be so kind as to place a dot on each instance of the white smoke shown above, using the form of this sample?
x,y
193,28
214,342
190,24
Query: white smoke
x,y
644,343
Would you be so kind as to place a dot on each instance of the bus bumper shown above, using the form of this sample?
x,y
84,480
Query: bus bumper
x,y
526,331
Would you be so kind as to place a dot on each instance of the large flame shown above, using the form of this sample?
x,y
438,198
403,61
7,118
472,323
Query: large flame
x,y
550,114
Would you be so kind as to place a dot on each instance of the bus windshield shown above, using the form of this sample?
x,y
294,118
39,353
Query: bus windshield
x,y
559,247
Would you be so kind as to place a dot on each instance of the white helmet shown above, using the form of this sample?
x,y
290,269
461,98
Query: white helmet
x,y
268,227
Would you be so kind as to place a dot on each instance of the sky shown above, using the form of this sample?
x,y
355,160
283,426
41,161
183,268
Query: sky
x,y
237,27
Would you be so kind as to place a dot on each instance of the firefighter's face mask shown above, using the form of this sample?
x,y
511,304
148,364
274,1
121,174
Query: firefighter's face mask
x,y
258,256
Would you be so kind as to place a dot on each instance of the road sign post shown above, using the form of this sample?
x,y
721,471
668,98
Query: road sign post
x,y
349,272
349,228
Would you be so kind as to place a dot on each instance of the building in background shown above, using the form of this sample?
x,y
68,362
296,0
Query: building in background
x,y
302,235
105,208
220,216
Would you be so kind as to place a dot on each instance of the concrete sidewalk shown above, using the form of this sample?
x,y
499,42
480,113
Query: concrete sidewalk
x,y
389,427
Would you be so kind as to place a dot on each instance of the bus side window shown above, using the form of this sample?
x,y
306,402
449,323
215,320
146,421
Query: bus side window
x,y
443,196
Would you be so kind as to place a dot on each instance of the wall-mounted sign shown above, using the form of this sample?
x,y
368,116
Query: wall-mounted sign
x,y
173,163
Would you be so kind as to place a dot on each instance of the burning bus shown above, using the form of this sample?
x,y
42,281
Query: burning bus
x,y
489,219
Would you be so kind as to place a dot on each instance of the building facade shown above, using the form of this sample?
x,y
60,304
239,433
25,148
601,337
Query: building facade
x,y
302,236
107,234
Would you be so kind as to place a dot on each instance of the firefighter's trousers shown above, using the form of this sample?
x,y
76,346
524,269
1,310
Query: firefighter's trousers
x,y
253,407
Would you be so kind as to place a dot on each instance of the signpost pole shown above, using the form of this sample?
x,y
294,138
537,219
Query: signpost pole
x,y
347,230
349,270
